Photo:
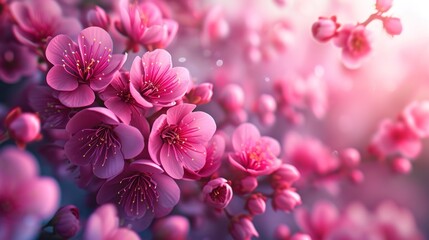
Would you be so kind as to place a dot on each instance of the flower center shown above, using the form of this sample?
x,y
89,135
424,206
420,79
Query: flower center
x,y
219,194
257,156
170,135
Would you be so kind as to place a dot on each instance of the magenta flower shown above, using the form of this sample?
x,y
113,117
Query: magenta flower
x,y
217,193
40,20
285,200
142,192
177,140
25,198
416,117
242,228
103,224
99,139
254,154
325,28
66,221
117,97
23,127
15,62
80,69
154,82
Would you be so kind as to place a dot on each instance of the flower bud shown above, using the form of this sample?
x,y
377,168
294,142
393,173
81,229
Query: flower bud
x,y
392,25
284,176
23,127
356,176
300,236
241,227
200,94
232,98
401,165
350,157
383,5
325,28
265,107
282,232
171,227
285,200
98,17
66,221
246,185
255,204
217,193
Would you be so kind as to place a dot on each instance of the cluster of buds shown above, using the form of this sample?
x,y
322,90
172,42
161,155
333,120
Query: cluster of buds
x,y
355,39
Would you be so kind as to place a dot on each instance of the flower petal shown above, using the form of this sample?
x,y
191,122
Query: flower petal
x,y
177,113
243,134
171,165
203,122
120,108
82,96
131,139
58,47
155,141
60,80
169,192
44,194
194,158
92,39
111,166
73,149
91,117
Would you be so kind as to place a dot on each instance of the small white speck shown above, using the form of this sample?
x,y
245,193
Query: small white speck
x,y
182,59
267,79
219,63
319,71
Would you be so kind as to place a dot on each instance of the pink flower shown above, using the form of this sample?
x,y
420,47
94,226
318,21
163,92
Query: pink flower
x,y
256,204
117,97
98,17
416,117
40,20
284,176
401,165
172,227
266,107
246,184
232,97
214,27
178,139
99,139
242,228
66,221
142,192
383,5
392,25
356,44
154,82
217,193
143,24
23,127
103,224
199,94
325,28
254,154
25,198
15,62
80,69
285,200
395,137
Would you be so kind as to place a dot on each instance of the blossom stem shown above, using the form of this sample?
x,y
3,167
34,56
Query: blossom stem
x,y
227,213
4,136
372,17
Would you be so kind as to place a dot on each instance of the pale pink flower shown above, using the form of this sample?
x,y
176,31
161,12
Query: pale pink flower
x,y
242,228
355,41
416,116
80,69
217,193
325,28
23,128
154,82
103,224
25,198
392,25
171,227
254,154
395,137
284,176
142,192
285,200
178,139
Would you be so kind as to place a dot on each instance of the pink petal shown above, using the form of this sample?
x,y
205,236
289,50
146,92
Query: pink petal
x,y
169,194
181,87
41,197
120,108
96,37
112,166
16,166
177,113
80,97
172,167
146,166
61,80
139,99
203,122
136,72
195,158
93,117
274,145
124,233
69,26
350,60
131,139
155,141
102,222
57,47
21,13
156,57
105,77
243,134
152,34
22,36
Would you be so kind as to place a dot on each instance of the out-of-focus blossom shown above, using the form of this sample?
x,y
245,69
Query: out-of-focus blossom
x,y
215,26
256,204
355,41
142,192
118,98
25,198
392,25
99,139
178,139
15,62
356,176
103,224
80,69
284,176
300,236
246,184
98,17
416,117
218,193
285,200
266,107
23,128
383,5
401,165
242,228
154,82
143,24
66,221
171,227
38,21
199,94
395,137
349,158
254,154
325,28
282,232
232,97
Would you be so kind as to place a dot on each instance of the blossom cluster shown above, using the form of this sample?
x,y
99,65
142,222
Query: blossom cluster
x,y
185,119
